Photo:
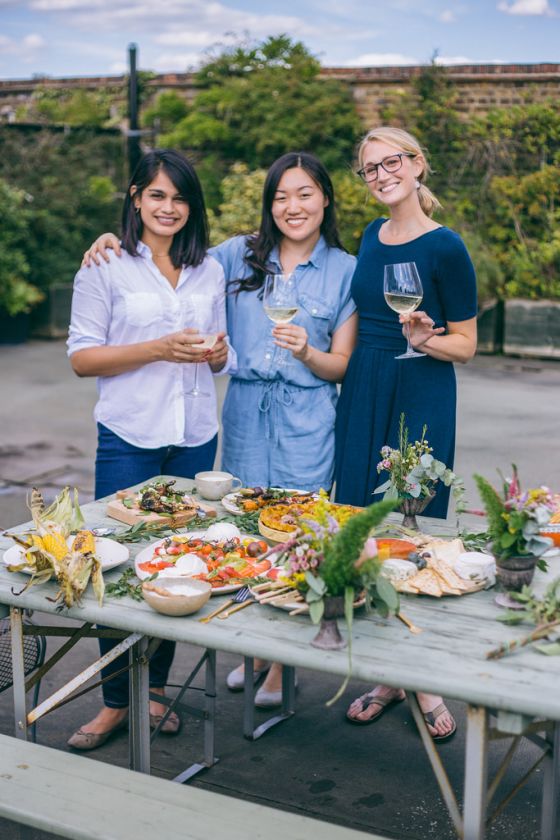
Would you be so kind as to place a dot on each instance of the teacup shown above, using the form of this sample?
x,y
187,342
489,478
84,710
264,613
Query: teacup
x,y
214,484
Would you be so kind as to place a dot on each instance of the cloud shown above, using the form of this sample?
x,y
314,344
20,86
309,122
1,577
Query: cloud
x,y
447,16
525,7
34,42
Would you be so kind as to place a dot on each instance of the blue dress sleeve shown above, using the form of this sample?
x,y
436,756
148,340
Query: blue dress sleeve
x,y
230,256
456,280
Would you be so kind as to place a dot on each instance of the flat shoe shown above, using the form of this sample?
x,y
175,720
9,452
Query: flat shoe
x,y
269,699
371,699
431,717
235,680
171,726
81,740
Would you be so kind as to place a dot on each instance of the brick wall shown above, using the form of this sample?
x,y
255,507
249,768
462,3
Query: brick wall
x,y
481,86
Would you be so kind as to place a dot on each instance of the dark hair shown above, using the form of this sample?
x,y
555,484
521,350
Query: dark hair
x,y
261,243
190,244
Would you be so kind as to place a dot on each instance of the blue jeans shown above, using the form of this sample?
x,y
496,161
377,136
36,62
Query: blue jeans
x,y
119,465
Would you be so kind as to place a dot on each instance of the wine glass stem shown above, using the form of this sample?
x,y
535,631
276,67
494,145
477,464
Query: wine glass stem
x,y
409,347
195,386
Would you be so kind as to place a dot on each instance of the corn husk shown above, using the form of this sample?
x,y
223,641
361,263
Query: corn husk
x,y
47,554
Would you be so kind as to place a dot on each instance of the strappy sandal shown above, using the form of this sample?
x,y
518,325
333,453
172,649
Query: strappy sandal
x,y
370,699
431,718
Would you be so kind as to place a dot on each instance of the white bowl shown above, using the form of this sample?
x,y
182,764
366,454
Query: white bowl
x,y
176,596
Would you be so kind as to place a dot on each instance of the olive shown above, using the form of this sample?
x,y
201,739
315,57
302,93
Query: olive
x,y
414,557
254,549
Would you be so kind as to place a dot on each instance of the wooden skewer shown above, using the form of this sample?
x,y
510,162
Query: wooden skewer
x,y
299,610
412,627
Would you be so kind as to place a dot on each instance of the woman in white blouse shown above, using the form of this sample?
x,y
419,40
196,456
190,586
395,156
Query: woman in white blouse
x,y
136,325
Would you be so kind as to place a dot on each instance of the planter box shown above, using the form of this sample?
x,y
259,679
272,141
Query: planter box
x,y
14,329
51,318
490,327
532,328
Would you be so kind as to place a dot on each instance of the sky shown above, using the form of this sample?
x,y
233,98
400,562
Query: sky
x,y
79,38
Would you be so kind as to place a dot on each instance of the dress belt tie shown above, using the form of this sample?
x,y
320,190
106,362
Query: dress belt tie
x,y
275,393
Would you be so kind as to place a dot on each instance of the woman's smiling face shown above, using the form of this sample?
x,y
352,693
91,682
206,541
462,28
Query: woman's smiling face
x,y
163,211
298,207
391,188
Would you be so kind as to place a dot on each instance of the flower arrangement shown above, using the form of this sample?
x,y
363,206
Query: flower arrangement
x,y
326,558
414,472
515,517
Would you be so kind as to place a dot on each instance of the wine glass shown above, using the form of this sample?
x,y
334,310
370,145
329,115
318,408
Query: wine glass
x,y
205,318
281,305
403,292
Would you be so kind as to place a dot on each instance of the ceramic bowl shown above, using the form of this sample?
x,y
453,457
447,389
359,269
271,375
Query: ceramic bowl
x,y
553,532
176,596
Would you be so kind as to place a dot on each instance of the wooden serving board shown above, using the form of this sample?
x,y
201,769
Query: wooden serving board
x,y
116,509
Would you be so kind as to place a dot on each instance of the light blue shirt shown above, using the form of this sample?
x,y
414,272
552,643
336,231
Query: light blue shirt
x,y
278,421
325,303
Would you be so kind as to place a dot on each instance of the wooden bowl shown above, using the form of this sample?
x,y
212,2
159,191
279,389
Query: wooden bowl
x,y
170,597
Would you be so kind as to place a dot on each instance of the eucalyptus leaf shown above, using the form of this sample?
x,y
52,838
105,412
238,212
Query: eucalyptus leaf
x,y
551,649
315,583
387,592
316,610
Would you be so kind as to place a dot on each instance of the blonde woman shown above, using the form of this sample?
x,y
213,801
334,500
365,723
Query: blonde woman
x,y
377,386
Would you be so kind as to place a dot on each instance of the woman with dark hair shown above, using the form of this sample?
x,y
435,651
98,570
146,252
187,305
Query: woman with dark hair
x,y
133,326
278,420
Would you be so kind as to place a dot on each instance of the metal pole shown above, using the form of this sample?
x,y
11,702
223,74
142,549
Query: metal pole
x,y
134,150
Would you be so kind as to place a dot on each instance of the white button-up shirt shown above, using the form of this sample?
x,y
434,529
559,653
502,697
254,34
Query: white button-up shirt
x,y
127,301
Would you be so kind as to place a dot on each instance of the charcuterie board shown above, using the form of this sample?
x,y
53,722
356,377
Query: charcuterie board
x,y
182,508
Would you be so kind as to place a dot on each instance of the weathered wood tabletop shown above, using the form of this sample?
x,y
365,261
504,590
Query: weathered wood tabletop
x,y
447,658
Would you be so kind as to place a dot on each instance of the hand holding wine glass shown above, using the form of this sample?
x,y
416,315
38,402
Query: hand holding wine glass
x,y
280,304
403,292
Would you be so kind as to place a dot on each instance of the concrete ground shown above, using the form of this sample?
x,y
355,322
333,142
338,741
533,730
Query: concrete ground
x,y
315,763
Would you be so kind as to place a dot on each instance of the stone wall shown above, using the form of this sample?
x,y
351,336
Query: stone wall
x,y
481,86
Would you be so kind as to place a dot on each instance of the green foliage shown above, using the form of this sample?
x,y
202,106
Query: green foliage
x,y
355,208
339,569
16,294
168,109
70,107
256,103
240,208
71,180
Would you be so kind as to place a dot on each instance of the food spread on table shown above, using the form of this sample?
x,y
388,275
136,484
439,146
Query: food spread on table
x,y
220,555
278,521
156,502
250,499
438,567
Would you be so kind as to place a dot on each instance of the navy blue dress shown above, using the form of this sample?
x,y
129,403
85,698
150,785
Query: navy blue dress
x,y
377,387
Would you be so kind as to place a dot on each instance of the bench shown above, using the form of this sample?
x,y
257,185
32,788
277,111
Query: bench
x,y
82,799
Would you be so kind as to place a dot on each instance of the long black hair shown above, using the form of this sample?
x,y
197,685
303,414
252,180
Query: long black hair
x,y
190,244
261,243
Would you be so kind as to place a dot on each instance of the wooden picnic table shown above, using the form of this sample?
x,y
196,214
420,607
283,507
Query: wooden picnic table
x,y
513,697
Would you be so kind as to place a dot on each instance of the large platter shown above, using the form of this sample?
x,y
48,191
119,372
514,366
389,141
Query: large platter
x,y
147,554
110,553
230,504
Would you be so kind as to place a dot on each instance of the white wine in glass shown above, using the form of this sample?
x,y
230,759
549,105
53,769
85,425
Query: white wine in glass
x,y
280,304
403,292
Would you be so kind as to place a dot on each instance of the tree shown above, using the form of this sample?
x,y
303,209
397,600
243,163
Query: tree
x,y
16,294
259,102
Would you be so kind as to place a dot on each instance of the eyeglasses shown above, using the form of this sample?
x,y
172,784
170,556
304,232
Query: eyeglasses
x,y
391,163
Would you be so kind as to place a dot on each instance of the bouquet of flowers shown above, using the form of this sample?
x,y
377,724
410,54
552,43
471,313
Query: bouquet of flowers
x,y
327,559
515,517
414,472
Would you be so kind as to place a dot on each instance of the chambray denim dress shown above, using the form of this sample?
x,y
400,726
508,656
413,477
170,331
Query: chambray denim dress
x,y
278,420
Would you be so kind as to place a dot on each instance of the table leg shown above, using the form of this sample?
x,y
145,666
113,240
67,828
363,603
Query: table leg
x,y
210,707
139,708
476,773
551,787
18,672
249,698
